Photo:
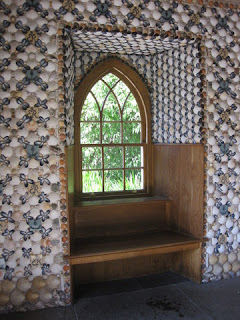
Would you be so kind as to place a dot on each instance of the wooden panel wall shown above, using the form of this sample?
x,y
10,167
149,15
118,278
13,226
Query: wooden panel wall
x,y
186,263
178,173
119,219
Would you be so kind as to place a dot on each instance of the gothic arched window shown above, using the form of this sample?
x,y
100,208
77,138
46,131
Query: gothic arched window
x,y
113,133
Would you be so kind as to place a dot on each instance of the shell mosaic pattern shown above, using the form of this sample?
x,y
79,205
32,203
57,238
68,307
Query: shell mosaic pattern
x,y
33,222
114,43
174,87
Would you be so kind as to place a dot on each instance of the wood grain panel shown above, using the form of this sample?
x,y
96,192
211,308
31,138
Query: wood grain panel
x,y
133,245
119,218
178,173
122,269
188,264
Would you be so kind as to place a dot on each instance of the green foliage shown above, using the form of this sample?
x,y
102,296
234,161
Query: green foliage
x,y
131,110
92,158
112,100
92,181
113,157
89,132
111,110
90,111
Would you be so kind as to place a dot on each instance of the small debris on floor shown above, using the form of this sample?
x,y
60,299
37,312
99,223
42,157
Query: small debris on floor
x,y
165,305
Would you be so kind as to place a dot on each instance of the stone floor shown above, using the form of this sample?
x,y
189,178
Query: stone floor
x,y
166,296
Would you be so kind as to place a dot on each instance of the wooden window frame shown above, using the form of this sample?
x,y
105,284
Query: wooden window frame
x,y
131,78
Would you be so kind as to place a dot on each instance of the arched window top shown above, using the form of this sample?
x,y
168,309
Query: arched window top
x,y
112,122
110,108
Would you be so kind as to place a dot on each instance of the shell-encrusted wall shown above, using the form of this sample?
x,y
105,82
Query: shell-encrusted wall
x,y
173,79
37,76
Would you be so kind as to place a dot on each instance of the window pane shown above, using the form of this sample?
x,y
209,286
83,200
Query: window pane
x,y
100,90
131,111
110,79
133,157
113,180
111,132
92,158
134,179
121,91
113,157
90,111
111,110
92,181
131,132
89,132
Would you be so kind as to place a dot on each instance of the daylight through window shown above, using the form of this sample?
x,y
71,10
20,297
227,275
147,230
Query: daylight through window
x,y
111,139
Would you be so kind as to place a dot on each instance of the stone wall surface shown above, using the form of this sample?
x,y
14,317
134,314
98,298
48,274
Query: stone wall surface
x,y
39,66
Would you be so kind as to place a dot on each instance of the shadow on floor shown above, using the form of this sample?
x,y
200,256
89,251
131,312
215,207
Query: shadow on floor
x,y
158,297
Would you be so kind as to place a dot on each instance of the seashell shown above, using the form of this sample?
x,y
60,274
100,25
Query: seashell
x,y
236,214
52,48
210,220
210,249
227,267
32,296
213,21
185,18
37,272
7,286
213,260
235,229
4,299
50,67
36,248
156,15
32,88
38,283
223,229
235,200
17,297
36,237
23,284
230,238
235,266
32,126
45,295
222,248
222,258
229,223
217,269
210,202
232,257
56,269
53,282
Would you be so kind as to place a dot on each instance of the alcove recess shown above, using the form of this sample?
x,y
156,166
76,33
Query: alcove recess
x,y
116,239
130,237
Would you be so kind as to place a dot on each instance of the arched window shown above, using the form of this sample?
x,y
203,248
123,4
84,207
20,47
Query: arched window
x,y
112,131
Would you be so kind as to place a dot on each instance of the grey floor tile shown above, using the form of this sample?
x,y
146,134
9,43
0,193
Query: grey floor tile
x,y
108,288
165,303
94,309
60,313
220,300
